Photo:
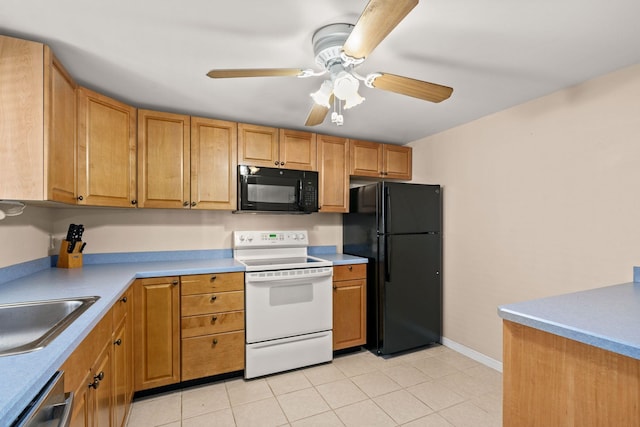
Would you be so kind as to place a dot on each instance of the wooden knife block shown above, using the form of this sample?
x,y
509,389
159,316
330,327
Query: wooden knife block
x,y
69,260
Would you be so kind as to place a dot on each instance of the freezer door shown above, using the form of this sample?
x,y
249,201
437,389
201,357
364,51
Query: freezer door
x,y
411,306
411,208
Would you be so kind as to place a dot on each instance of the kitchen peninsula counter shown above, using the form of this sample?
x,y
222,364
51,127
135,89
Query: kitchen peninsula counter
x,y
573,359
23,375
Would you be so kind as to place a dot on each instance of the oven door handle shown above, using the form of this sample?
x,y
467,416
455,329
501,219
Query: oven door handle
x,y
287,279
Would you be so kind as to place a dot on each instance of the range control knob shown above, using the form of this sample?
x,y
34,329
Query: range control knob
x,y
241,237
300,236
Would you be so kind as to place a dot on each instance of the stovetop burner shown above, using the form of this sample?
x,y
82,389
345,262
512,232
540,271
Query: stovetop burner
x,y
280,250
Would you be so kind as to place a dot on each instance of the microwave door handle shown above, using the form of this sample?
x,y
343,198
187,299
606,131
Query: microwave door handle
x,y
300,201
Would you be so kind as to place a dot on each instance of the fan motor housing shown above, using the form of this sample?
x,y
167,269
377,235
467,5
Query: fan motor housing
x,y
328,41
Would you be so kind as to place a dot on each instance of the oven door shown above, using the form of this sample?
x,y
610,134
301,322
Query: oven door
x,y
286,303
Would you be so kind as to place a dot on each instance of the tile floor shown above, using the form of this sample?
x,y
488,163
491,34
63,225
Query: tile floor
x,y
434,387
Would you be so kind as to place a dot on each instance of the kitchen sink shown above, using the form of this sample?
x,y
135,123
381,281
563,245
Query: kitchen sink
x,y
29,326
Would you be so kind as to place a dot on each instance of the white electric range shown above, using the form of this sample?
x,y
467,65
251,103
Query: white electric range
x,y
288,302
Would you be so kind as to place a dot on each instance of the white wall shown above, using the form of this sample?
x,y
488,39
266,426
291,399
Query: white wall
x,y
540,199
26,237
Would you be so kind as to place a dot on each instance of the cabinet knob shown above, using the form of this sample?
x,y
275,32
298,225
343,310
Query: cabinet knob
x,y
215,341
213,278
134,202
277,163
335,287
185,204
100,376
80,198
213,298
214,318
350,268
123,299
281,163
117,342
94,384
175,282
193,203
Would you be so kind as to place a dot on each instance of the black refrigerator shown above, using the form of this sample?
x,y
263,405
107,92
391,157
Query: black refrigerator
x,y
397,226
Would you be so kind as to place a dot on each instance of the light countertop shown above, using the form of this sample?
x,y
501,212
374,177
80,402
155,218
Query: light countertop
x,y
22,375
608,317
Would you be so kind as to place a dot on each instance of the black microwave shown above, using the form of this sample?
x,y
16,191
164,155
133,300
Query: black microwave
x,y
277,190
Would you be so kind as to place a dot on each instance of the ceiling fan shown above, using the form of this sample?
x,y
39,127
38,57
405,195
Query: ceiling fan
x,y
339,49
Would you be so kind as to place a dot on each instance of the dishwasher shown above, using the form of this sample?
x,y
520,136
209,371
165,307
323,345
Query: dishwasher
x,y
51,407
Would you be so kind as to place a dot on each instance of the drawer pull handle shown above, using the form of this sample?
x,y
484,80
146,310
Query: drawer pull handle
x,y
213,278
124,299
215,341
213,298
213,319
118,342
175,282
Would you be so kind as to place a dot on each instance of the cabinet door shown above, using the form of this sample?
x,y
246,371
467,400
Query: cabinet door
x,y
106,151
122,343
257,145
333,168
213,164
80,413
349,313
365,158
21,120
156,332
297,150
397,161
101,394
60,121
163,160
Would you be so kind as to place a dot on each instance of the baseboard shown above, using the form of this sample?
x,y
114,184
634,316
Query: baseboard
x,y
471,353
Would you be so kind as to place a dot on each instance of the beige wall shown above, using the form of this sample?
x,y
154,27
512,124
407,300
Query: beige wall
x,y
540,199
122,230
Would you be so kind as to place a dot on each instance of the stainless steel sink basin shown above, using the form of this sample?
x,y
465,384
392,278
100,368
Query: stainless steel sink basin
x,y
29,326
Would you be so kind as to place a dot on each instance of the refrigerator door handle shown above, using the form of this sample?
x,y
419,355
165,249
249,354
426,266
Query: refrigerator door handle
x,y
387,263
387,210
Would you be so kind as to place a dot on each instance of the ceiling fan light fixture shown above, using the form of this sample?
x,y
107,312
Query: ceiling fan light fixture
x,y
323,95
345,85
353,100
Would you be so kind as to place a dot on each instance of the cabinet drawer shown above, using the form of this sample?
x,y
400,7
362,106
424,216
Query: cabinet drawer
x,y
121,307
349,272
212,324
218,282
212,355
216,302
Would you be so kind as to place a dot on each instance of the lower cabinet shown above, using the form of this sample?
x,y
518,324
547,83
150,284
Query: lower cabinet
x,y
349,306
212,324
156,332
99,371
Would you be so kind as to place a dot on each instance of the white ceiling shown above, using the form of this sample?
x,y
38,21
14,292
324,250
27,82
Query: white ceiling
x,y
494,53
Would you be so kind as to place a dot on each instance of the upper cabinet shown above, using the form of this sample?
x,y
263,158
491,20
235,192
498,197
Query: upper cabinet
x,y
333,168
163,159
279,148
213,164
298,150
372,159
186,162
37,124
106,151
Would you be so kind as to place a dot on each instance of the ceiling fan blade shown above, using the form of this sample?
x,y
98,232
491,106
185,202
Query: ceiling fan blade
x,y
412,87
378,19
316,115
254,72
